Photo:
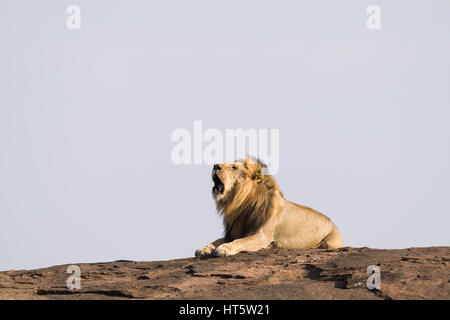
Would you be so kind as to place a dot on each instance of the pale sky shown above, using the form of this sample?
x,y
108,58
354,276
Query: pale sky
x,y
86,118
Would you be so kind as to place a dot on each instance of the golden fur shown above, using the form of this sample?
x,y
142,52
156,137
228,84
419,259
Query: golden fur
x,y
248,206
256,215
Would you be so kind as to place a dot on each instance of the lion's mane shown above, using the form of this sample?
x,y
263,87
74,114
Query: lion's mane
x,y
248,205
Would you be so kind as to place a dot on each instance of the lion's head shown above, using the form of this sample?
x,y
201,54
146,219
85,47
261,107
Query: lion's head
x,y
226,177
243,195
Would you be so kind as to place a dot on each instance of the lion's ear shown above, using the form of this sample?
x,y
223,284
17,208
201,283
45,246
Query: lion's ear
x,y
248,162
254,168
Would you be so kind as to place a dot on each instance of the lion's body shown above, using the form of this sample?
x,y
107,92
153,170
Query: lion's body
x,y
257,216
302,227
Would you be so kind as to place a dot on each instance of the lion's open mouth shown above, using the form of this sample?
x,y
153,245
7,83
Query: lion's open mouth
x,y
219,187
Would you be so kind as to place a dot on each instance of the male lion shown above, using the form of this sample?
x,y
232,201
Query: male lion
x,y
257,216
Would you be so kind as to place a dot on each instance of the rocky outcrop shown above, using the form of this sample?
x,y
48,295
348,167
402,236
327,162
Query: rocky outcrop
x,y
414,273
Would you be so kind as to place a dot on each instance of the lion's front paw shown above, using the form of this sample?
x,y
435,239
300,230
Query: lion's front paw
x,y
223,250
206,251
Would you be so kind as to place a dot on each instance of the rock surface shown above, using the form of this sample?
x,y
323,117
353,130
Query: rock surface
x,y
415,273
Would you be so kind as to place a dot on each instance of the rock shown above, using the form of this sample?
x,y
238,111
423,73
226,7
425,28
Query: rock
x,y
414,273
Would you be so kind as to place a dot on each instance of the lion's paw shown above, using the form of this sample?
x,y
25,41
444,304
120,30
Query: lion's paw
x,y
206,251
223,250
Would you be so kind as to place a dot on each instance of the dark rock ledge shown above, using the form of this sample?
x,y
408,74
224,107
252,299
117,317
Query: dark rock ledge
x,y
414,273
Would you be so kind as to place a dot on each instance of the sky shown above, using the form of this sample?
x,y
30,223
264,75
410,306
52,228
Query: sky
x,y
87,117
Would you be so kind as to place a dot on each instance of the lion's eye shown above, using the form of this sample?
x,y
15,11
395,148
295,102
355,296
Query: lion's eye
x,y
234,167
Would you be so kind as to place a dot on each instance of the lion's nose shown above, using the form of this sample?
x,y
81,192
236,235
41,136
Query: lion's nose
x,y
217,167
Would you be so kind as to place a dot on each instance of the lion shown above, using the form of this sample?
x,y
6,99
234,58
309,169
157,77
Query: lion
x,y
256,215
